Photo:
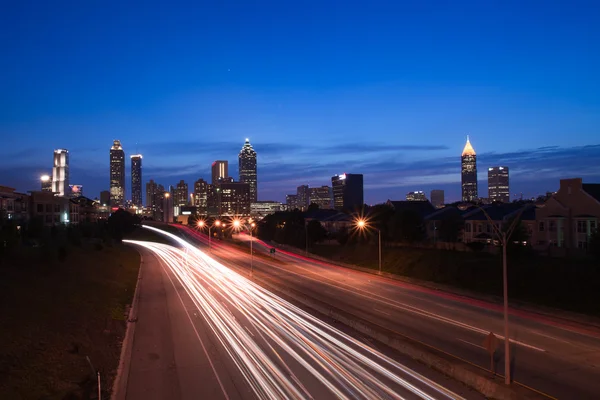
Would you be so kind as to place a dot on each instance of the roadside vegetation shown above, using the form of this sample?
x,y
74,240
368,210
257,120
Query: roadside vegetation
x,y
64,293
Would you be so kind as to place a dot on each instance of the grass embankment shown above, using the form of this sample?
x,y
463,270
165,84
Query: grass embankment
x,y
55,313
569,284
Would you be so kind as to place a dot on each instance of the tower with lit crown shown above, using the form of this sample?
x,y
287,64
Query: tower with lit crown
x,y
117,174
247,168
469,173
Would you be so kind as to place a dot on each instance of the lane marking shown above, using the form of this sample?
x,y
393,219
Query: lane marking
x,y
381,311
472,344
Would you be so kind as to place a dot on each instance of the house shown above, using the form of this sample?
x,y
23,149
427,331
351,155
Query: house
x,y
52,209
331,220
13,205
566,220
481,222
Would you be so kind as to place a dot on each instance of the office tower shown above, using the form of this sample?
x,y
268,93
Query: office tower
x,y
151,190
498,189
418,195
159,203
136,180
117,174
105,197
201,196
347,191
291,202
437,198
302,197
321,196
46,182
60,172
469,173
247,169
181,194
234,199
220,170
76,191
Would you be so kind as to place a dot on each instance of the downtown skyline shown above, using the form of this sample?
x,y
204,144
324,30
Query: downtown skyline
x,y
316,99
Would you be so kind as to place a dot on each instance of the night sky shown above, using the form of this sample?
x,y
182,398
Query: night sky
x,y
387,89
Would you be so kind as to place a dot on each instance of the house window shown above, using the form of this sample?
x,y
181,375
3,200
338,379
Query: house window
x,y
57,208
40,208
48,208
581,227
552,226
468,227
541,226
592,226
582,245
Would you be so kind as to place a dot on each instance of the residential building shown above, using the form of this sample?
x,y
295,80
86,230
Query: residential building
x,y
200,198
291,202
469,173
181,194
478,226
566,221
14,205
332,220
302,197
437,198
347,191
105,197
51,209
418,195
60,172
117,175
136,180
220,170
89,210
321,196
46,183
247,169
498,188
260,209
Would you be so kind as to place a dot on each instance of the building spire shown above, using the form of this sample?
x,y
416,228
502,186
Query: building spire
x,y
468,150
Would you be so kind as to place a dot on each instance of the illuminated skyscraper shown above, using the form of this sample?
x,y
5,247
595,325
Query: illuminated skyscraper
x,y
136,180
181,194
151,190
418,195
220,170
303,197
60,172
247,169
498,184
117,174
347,191
201,188
469,173
321,196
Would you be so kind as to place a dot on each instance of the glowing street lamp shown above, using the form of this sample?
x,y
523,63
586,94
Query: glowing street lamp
x,y
202,224
362,224
237,224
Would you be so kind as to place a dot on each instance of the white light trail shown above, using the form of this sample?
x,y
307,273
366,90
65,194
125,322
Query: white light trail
x,y
280,350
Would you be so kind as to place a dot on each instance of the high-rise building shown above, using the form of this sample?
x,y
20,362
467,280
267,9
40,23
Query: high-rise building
x,y
181,194
437,198
105,197
418,195
469,173
136,180
247,169
347,191
261,209
291,202
303,196
321,196
498,189
220,170
151,190
234,199
201,188
46,182
117,174
60,172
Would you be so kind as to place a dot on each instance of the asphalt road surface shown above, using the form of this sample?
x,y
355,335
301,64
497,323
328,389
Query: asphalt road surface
x,y
206,331
557,357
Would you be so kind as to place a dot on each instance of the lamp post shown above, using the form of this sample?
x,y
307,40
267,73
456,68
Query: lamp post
x,y
237,224
201,224
504,237
362,224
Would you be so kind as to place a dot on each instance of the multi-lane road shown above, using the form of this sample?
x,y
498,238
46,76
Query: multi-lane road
x,y
207,331
557,357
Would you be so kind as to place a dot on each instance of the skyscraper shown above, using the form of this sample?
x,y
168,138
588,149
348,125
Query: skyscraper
x,y
418,195
60,172
321,196
234,199
247,169
151,190
201,188
469,173
117,174
220,170
498,189
303,196
136,180
347,191
181,194
437,198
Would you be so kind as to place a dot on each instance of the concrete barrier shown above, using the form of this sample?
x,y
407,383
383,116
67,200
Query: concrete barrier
x,y
471,375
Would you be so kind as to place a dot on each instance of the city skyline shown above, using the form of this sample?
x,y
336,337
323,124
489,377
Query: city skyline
x,y
308,119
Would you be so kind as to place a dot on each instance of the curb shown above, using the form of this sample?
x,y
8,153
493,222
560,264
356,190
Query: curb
x,y
462,371
119,389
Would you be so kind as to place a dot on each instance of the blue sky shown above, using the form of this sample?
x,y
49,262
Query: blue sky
x,y
387,89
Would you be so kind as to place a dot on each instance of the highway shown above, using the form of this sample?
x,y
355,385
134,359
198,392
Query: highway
x,y
559,358
249,343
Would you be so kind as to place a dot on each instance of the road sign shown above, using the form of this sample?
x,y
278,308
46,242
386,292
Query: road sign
x,y
491,343
272,251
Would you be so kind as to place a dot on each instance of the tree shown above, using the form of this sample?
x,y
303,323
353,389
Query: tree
x,y
312,207
121,222
450,228
316,232
342,235
407,226
380,216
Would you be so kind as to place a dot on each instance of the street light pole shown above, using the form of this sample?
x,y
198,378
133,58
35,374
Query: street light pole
x,y
379,234
251,253
306,240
